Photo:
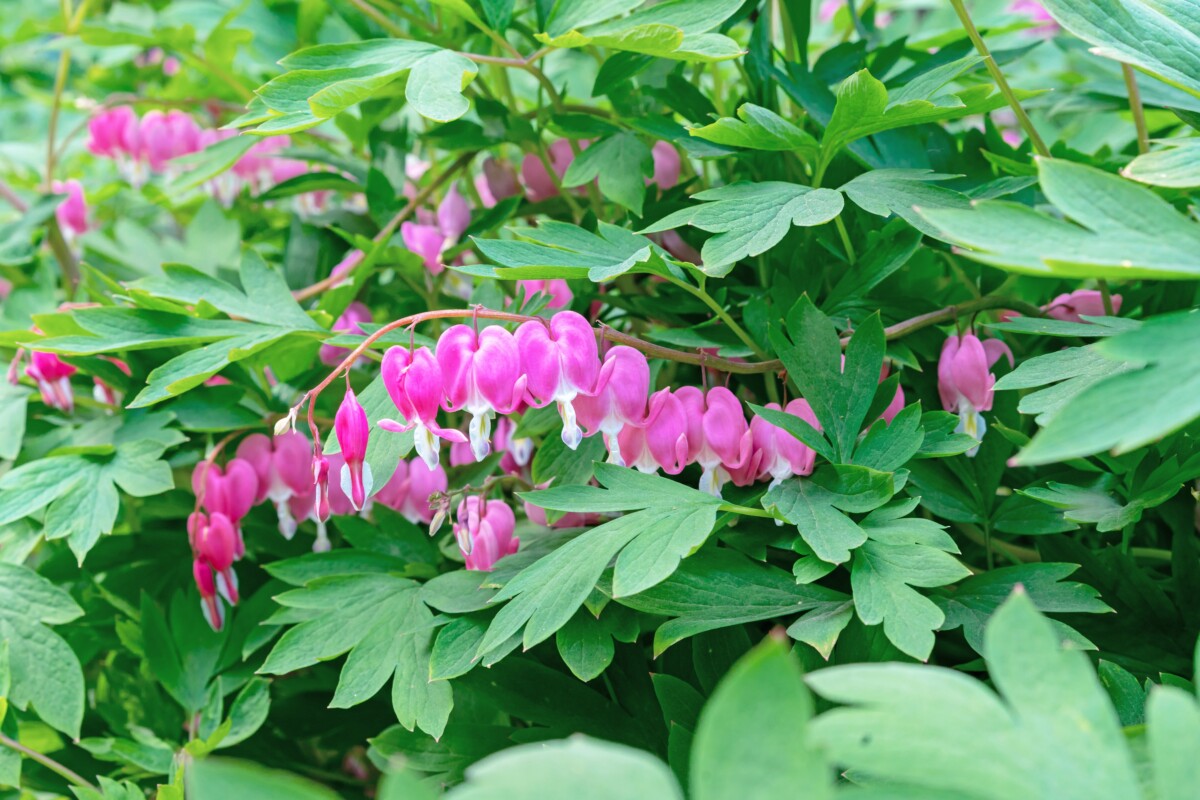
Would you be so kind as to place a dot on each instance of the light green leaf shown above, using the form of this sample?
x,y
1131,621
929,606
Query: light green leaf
x,y
578,768
436,83
753,732
1174,734
1175,167
902,192
1162,38
561,250
759,128
619,162
1120,230
224,779
750,218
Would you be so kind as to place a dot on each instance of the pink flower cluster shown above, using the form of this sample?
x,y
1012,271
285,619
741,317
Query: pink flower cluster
x,y
147,145
965,381
493,372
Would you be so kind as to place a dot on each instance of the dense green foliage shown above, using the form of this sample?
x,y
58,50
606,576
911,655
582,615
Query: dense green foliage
x,y
964,565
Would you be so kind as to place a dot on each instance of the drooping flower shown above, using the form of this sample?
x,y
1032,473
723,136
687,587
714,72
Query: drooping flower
x,y
518,450
719,438
666,164
281,466
482,374
661,442
352,428
453,215
496,182
558,290
210,601
539,185
1073,306
1035,12
484,532
113,133
561,361
53,378
897,404
216,545
415,384
427,241
102,391
72,213
320,501
409,489
618,399
347,264
167,136
230,491
965,381
781,454
350,321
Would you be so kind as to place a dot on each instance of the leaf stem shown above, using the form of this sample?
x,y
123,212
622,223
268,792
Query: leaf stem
x,y
745,511
994,69
1106,297
379,18
49,763
1135,105
703,296
841,228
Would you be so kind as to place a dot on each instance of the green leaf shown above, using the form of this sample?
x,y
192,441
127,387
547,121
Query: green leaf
x,y
883,575
435,86
1174,734
361,612
585,646
223,779
248,713
1093,506
864,108
16,238
902,192
943,733
718,588
579,768
43,672
972,603
753,731
750,218
1120,230
758,128
1159,38
619,162
1175,167
675,29
560,250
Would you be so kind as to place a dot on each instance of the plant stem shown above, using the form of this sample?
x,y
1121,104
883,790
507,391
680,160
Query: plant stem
x,y
841,228
745,511
380,19
703,296
1106,297
998,76
386,232
58,245
49,763
1135,105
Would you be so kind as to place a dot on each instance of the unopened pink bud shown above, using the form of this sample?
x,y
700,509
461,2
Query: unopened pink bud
x,y
353,430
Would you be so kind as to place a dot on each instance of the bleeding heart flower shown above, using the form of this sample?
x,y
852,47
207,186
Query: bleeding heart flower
x,y
102,391
897,404
783,455
453,215
718,436
426,241
561,361
210,601
230,491
484,532
666,164
282,468
965,381
662,440
410,488
216,545
539,185
72,213
415,384
352,428
113,133
497,182
53,378
619,398
347,264
1073,306
482,374
350,321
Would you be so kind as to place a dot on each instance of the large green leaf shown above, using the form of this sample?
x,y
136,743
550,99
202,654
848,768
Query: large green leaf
x,y
1161,37
676,29
574,769
224,779
561,250
1120,230
42,670
753,732
1175,167
619,163
758,128
1054,734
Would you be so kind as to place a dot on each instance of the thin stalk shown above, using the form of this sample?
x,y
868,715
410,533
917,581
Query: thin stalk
x,y
1106,297
58,244
704,297
49,763
1135,105
998,76
380,19
841,229
745,511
